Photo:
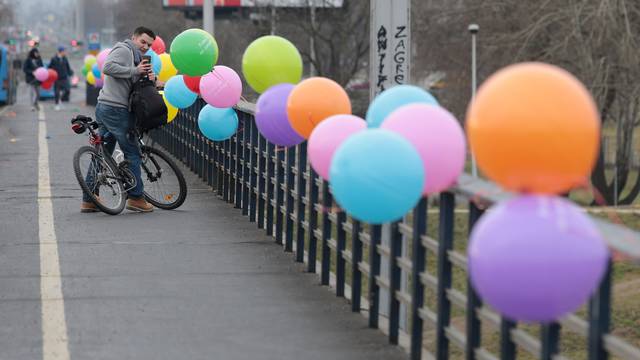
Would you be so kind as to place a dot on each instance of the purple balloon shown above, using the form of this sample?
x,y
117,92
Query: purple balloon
x,y
536,258
272,119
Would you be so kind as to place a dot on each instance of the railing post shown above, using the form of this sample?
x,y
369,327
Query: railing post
x,y
395,274
281,194
600,317
270,187
473,300
313,221
238,169
327,201
374,271
550,336
220,160
225,185
262,182
356,274
247,151
419,265
507,346
291,180
447,205
302,193
341,239
253,168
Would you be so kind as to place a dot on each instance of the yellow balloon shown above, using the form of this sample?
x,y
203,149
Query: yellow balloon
x,y
167,70
91,79
171,110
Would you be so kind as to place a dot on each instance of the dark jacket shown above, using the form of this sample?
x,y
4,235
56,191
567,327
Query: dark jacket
x,y
30,65
61,66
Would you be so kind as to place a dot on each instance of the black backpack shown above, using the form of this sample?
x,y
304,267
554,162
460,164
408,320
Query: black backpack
x,y
147,105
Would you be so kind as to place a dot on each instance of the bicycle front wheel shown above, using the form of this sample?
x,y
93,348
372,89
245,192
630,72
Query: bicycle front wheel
x,y
99,180
164,184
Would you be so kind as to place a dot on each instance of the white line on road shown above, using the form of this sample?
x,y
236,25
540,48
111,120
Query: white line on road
x,y
54,327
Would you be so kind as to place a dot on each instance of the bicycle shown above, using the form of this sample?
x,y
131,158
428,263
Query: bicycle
x,y
107,182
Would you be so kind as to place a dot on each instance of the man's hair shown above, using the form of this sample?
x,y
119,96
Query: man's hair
x,y
144,30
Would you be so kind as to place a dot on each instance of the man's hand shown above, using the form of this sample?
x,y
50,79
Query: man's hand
x,y
144,67
152,75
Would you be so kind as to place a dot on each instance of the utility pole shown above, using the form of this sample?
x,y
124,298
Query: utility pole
x,y
208,16
312,41
474,29
80,20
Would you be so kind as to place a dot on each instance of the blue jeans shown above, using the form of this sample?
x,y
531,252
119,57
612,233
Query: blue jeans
x,y
115,126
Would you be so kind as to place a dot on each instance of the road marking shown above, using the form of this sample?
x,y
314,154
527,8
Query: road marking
x,y
54,327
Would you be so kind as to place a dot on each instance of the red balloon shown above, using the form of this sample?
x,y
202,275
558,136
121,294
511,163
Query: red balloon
x,y
53,75
158,45
193,83
47,84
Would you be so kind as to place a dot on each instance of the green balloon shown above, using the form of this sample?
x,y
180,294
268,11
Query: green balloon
x,y
90,61
85,71
194,52
271,60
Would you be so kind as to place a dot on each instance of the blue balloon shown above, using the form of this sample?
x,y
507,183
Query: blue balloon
x,y
178,94
156,63
377,176
217,124
96,71
390,100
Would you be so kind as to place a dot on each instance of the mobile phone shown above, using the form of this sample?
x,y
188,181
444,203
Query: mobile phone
x,y
146,57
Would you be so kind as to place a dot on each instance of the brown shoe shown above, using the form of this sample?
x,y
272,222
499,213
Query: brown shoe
x,y
140,205
88,207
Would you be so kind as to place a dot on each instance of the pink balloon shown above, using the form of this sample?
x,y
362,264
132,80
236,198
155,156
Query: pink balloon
x,y
439,139
99,83
41,74
102,56
221,87
327,137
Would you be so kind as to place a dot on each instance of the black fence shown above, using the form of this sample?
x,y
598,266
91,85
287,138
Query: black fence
x,y
409,277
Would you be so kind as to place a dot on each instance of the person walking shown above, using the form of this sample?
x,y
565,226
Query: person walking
x,y
33,62
62,86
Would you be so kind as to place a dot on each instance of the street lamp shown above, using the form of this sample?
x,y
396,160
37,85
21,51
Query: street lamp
x,y
474,29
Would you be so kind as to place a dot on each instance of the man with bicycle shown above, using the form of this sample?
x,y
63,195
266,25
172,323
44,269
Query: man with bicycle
x,y
122,68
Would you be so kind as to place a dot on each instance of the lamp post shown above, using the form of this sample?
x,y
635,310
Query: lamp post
x,y
474,29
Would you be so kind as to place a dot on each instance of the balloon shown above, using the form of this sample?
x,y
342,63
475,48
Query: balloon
x,y
272,119
327,137
96,71
156,63
172,111
52,75
534,127
178,94
167,70
84,72
271,60
221,88
376,175
192,82
91,79
47,84
89,58
217,124
158,45
194,52
102,56
536,258
392,99
41,74
99,83
314,100
439,139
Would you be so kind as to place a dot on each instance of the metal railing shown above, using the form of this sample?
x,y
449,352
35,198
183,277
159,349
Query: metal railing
x,y
419,262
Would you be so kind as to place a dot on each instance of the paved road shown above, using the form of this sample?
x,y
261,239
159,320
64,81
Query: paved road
x,y
200,282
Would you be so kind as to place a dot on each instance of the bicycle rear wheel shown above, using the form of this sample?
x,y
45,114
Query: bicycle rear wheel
x,y
164,184
99,180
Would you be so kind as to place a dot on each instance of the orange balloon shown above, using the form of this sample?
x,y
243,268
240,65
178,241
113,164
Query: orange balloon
x,y
534,128
314,100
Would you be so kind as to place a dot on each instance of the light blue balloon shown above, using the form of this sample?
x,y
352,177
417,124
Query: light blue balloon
x,y
390,100
178,94
377,176
217,124
156,63
96,71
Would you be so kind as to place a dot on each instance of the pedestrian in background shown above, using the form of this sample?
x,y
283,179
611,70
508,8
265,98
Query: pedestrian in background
x,y
33,62
62,86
